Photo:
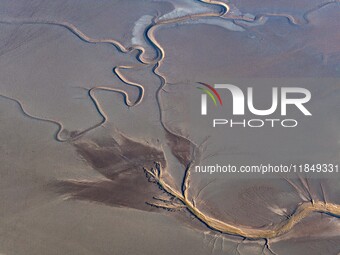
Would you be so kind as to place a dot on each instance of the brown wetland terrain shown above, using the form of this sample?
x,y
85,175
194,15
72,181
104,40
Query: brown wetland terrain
x,y
101,128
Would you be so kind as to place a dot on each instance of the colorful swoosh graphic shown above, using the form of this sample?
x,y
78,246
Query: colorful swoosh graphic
x,y
208,92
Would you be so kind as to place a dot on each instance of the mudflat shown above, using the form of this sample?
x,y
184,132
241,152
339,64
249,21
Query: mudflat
x,y
101,127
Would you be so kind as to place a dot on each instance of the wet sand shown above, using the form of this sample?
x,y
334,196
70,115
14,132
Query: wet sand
x,y
100,142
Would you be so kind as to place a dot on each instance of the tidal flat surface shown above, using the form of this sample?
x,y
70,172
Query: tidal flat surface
x,y
100,127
